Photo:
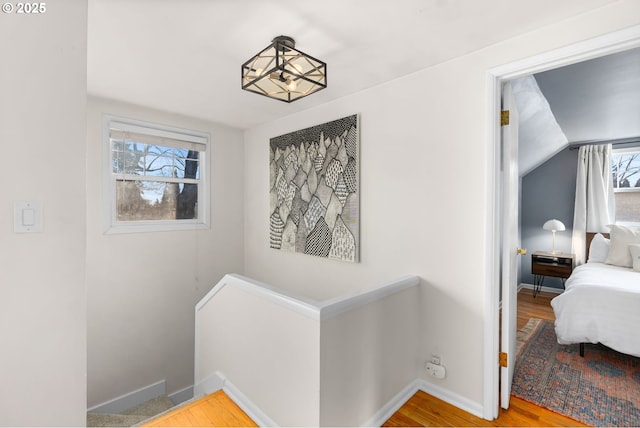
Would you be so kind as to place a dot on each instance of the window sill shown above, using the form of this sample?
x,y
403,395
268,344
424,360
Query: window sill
x,y
144,227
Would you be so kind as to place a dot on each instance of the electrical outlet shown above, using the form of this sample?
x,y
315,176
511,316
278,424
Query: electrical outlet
x,y
435,370
435,360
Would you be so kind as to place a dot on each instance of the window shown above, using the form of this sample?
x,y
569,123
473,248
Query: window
x,y
156,177
625,166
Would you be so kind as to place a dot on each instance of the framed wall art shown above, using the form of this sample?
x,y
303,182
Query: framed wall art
x,y
314,179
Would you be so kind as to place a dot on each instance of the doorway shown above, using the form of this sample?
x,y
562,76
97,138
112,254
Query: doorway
x,y
594,48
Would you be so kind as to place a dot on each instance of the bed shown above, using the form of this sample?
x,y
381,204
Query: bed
x,y
601,301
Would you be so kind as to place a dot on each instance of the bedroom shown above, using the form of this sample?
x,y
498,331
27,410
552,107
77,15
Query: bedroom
x,y
593,101
134,330
604,91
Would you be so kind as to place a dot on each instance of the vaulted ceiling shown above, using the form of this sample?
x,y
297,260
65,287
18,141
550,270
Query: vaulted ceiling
x,y
591,101
185,56
597,99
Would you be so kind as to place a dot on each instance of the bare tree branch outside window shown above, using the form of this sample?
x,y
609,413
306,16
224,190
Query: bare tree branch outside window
x,y
626,170
157,182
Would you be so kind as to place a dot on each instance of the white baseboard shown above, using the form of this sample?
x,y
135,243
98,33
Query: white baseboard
x,y
382,415
131,399
452,398
551,290
181,395
209,385
218,381
253,411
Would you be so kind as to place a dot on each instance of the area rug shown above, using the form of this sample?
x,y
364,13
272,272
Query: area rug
x,y
600,389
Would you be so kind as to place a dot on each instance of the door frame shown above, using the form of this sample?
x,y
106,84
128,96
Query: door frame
x,y
617,41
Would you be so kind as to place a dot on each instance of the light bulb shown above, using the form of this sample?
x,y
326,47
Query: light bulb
x,y
298,68
291,84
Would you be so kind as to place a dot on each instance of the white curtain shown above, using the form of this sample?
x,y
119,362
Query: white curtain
x,y
594,204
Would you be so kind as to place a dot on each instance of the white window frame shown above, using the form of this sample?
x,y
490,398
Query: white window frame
x,y
635,149
114,226
631,149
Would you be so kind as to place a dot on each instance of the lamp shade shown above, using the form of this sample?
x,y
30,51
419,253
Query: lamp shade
x,y
283,73
553,225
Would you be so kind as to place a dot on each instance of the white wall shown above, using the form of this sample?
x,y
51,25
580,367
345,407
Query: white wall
x,y
142,287
367,356
269,352
423,186
410,127
42,275
298,362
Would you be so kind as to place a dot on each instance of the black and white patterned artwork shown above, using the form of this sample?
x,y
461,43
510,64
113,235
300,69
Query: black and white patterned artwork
x,y
314,192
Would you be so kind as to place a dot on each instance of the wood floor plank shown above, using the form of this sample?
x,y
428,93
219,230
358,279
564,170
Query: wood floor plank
x,y
534,307
214,413
213,410
199,417
425,410
168,421
227,412
240,417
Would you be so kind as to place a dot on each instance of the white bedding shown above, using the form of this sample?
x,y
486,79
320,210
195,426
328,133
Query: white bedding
x,y
601,303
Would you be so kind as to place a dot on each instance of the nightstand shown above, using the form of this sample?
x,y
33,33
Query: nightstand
x,y
559,265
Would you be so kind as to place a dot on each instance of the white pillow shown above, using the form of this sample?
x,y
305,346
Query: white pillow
x,y
599,249
621,238
634,249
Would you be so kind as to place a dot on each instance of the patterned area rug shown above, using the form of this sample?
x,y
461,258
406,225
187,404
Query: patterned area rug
x,y
600,389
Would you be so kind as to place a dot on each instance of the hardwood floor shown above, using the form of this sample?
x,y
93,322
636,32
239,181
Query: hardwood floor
x,y
213,410
422,409
530,307
425,410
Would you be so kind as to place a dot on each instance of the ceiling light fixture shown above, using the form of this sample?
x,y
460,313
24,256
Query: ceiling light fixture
x,y
284,73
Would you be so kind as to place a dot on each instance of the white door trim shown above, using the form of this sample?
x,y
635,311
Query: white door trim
x,y
618,41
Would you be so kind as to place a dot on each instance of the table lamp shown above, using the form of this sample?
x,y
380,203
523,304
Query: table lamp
x,y
553,225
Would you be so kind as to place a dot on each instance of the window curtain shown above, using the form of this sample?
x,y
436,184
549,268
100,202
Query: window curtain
x,y
594,204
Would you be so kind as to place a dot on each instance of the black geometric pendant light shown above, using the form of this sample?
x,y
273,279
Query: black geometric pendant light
x,y
284,73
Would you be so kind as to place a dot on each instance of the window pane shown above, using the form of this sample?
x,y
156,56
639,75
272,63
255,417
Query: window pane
x,y
117,156
625,167
154,160
187,164
159,166
127,157
151,200
626,170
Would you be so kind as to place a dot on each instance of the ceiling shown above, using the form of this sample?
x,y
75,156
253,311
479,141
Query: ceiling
x,y
185,56
597,99
591,101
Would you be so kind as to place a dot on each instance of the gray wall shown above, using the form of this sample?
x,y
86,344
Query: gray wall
x,y
548,192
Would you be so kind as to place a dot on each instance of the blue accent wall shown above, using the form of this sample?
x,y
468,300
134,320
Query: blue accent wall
x,y
547,192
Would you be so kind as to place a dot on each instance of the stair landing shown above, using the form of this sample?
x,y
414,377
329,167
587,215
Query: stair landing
x,y
132,416
213,410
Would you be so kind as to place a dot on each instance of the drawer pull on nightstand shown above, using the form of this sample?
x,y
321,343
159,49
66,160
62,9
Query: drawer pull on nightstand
x,y
521,251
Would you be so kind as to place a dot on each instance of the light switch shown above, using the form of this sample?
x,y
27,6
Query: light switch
x,y
27,217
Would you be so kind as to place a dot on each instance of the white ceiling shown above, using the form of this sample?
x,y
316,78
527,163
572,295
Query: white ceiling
x,y
185,56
